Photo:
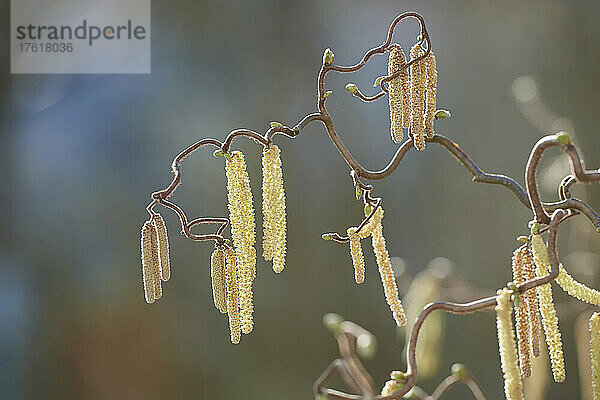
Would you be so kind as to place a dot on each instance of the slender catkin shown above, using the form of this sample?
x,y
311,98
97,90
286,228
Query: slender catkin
x,y
577,289
396,61
241,216
522,318
430,99
595,354
147,260
274,216
375,220
358,260
387,275
155,263
549,317
418,81
219,284
233,311
513,386
163,246
531,301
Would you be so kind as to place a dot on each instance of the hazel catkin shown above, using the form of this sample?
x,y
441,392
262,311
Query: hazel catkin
x,y
418,81
219,284
163,247
397,89
547,310
233,311
531,301
521,318
430,99
148,261
595,354
513,386
241,216
358,260
274,215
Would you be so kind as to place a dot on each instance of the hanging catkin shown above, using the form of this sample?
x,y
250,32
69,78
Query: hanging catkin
x,y
430,100
163,247
358,260
521,318
274,216
595,354
219,284
387,275
418,81
547,310
396,96
577,289
233,311
513,386
241,216
148,260
375,220
531,301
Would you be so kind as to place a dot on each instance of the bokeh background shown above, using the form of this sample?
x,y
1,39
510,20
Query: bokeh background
x,y
79,155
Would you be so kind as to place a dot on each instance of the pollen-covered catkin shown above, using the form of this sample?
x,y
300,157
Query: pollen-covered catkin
x,y
547,310
147,261
391,387
375,220
155,262
595,354
358,260
577,289
233,311
521,318
163,247
396,61
418,81
219,285
241,216
387,275
531,301
274,216
513,386
430,99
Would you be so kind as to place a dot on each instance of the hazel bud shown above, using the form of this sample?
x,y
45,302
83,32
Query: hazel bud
x,y
328,56
440,114
352,88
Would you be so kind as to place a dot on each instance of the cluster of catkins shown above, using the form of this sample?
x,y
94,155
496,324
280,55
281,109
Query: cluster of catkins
x,y
155,257
374,228
529,261
412,95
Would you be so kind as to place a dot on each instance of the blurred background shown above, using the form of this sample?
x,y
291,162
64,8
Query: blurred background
x,y
80,154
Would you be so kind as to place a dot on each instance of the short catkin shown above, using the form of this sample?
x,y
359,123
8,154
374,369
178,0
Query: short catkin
x,y
274,215
387,275
396,61
233,310
148,267
358,260
595,354
547,310
430,99
531,300
391,387
521,317
513,386
418,81
163,247
219,284
241,216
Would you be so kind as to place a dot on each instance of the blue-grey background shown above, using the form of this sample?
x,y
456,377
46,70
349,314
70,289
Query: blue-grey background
x,y
79,155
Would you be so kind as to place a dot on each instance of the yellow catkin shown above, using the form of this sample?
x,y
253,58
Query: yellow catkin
x,y
547,310
522,318
577,289
531,301
163,247
513,386
358,260
219,285
274,216
418,82
241,216
233,311
595,354
391,387
375,220
430,100
396,61
155,262
387,275
147,260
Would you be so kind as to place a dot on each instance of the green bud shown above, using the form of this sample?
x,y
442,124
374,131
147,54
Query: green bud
x,y
440,114
366,345
398,376
332,322
564,138
352,88
327,94
275,124
368,210
320,397
378,81
328,56
523,239
534,226
326,236
598,230
460,371
218,153
358,192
